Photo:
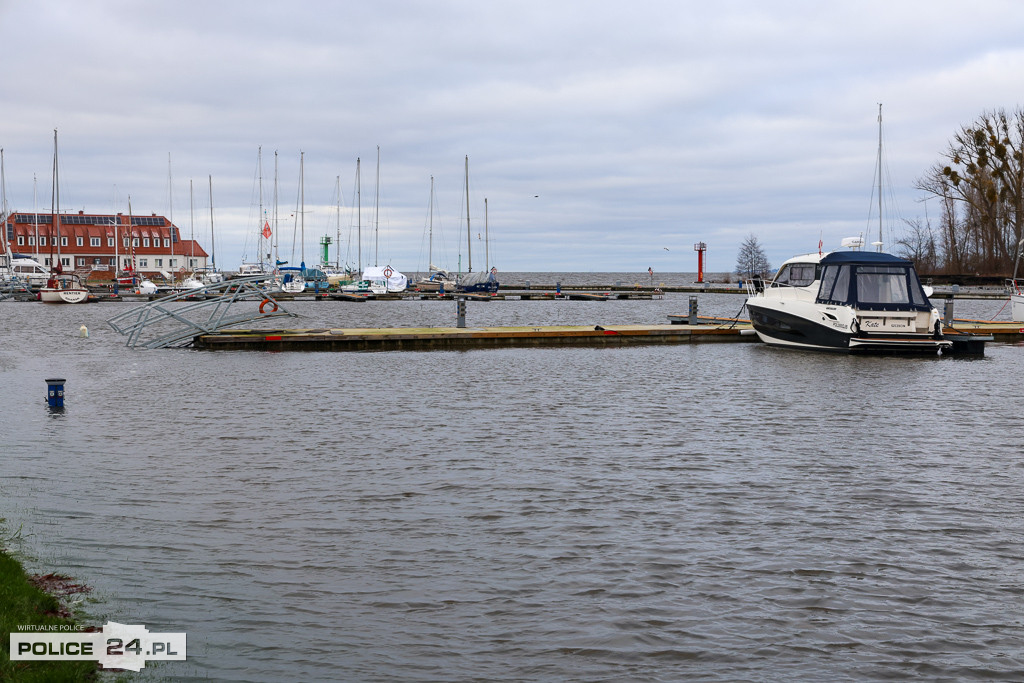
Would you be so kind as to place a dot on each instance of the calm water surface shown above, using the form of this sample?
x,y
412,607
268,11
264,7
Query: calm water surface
x,y
710,512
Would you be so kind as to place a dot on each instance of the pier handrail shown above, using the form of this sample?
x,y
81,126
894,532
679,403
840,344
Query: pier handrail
x,y
220,298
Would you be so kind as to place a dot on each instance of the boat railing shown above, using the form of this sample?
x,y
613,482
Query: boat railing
x,y
754,285
188,317
1015,286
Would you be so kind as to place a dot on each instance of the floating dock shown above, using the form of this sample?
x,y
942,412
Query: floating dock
x,y
465,338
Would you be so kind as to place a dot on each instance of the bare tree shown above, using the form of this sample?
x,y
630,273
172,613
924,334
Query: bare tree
x,y
980,181
752,261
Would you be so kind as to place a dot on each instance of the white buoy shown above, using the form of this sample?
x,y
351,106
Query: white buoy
x,y
83,332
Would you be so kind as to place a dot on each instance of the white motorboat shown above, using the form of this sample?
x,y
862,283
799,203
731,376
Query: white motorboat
x,y
849,301
63,288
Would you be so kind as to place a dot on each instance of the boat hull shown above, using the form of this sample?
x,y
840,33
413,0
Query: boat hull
x,y
779,328
49,295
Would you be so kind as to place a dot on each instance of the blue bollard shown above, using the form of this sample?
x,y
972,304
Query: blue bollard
x,y
558,288
55,393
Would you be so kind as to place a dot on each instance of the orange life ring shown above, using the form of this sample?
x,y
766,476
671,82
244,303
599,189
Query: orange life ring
x,y
263,304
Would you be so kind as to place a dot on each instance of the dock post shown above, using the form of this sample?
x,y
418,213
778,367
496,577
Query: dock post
x,y
693,310
558,288
947,312
460,312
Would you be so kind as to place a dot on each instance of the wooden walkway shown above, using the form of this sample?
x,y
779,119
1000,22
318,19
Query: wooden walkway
x,y
465,338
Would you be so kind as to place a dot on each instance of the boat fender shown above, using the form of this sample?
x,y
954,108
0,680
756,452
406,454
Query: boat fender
x,y
938,332
83,332
855,326
263,305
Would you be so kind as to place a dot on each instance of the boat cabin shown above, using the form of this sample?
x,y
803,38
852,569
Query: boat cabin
x,y
871,281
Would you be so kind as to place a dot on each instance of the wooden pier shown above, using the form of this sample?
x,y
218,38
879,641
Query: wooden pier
x,y
465,338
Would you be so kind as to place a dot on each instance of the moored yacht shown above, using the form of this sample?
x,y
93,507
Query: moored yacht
x,y
849,301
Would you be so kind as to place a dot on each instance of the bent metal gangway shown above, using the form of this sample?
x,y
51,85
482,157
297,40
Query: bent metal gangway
x,y
174,320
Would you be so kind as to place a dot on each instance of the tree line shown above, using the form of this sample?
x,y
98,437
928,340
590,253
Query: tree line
x,y
979,182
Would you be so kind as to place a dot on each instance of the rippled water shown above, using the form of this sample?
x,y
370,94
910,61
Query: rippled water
x,y
712,511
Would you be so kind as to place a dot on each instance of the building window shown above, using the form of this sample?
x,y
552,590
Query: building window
x,y
110,241
46,261
65,261
135,241
113,261
42,241
94,241
96,262
31,241
192,263
81,261
63,241
159,263
143,263
173,263
167,242
21,240
79,242
145,241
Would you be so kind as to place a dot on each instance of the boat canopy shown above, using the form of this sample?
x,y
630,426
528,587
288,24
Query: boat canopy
x,y
396,282
871,281
478,278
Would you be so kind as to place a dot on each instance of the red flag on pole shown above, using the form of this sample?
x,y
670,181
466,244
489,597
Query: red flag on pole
x,y
266,230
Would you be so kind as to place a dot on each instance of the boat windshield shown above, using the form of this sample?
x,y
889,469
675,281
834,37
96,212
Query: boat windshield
x,y
872,286
797,275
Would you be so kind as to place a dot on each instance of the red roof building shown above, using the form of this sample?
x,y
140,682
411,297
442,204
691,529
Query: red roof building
x,y
99,242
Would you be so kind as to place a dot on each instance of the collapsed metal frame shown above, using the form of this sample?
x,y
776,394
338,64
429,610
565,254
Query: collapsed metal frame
x,y
219,299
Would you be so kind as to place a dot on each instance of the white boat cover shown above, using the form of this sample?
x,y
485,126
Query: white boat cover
x,y
397,282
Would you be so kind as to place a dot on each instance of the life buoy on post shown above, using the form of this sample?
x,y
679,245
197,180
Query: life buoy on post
x,y
388,272
263,305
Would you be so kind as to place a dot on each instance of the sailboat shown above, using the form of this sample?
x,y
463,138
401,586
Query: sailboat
x,y
263,233
485,281
437,279
293,278
61,287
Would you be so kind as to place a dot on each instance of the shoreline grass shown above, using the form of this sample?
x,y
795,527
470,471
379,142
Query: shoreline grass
x,y
26,599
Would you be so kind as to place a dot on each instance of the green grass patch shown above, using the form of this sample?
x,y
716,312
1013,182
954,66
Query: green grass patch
x,y
26,600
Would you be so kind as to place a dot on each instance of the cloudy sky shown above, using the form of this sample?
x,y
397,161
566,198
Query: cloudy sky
x,y
605,136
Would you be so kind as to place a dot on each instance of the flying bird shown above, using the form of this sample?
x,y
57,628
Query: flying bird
x,y
665,248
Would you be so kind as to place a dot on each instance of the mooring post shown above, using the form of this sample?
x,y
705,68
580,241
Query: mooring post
x,y
55,392
947,312
693,310
460,313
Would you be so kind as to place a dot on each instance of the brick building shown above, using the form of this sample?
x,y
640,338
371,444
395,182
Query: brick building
x,y
95,243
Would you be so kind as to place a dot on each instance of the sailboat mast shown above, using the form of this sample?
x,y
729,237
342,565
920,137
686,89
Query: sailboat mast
x,y
430,240
359,218
277,238
376,214
469,232
3,205
54,209
487,240
35,217
192,224
337,227
170,203
213,245
260,239
879,176
302,207
131,224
